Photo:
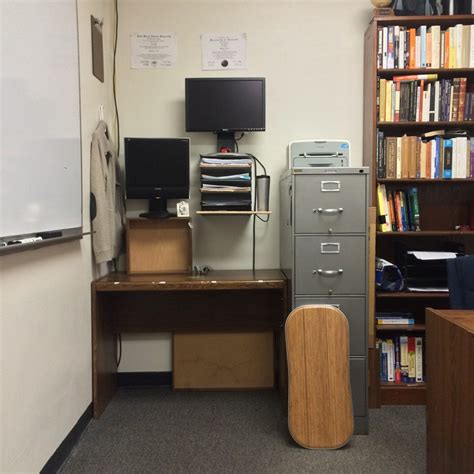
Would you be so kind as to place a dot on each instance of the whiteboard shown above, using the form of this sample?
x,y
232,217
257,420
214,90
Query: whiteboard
x,y
40,147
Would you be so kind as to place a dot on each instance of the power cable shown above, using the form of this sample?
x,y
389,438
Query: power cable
x,y
117,118
119,358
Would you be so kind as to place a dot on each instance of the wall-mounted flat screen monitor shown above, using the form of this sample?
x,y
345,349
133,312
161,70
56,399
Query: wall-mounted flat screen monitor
x,y
225,104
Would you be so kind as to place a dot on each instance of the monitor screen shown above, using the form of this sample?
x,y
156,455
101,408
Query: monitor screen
x,y
225,104
157,167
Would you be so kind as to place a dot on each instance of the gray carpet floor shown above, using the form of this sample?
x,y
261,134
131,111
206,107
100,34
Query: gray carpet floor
x,y
157,430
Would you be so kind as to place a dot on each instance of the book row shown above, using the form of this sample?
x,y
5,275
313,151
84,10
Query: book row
x,y
399,47
415,157
424,99
397,210
401,359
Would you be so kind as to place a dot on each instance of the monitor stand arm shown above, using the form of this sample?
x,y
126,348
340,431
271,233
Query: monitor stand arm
x,y
225,140
158,209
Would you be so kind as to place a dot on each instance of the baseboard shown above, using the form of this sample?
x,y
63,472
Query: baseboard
x,y
64,450
145,378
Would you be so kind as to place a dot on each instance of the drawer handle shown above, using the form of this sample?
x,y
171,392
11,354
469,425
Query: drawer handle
x,y
320,271
328,211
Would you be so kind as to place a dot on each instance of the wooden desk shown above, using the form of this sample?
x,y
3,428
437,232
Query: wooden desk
x,y
450,391
237,300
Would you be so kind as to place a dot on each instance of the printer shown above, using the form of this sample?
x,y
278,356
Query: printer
x,y
318,154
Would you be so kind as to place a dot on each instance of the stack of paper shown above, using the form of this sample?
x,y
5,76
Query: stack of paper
x,y
426,270
223,187
228,163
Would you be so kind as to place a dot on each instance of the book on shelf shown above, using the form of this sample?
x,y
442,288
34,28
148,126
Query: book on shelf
x,y
433,133
414,209
395,321
411,359
392,215
403,342
440,155
398,374
416,77
402,47
383,361
403,212
401,359
395,198
418,359
390,348
383,218
394,318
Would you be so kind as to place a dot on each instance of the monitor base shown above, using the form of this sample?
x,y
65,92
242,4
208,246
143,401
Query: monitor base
x,y
157,215
158,209
225,141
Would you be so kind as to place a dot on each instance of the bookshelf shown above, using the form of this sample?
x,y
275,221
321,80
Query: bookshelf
x,y
443,203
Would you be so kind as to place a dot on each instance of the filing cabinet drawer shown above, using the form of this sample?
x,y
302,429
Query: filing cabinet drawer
x,y
331,264
333,202
358,376
355,311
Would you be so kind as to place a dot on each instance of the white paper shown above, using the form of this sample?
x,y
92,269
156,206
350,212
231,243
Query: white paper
x,y
432,255
429,289
153,50
224,51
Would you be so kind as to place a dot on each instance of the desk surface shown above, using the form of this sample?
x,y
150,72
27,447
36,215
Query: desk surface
x,y
459,317
214,280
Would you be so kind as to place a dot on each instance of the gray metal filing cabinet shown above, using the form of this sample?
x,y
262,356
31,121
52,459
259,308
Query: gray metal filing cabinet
x,y
324,255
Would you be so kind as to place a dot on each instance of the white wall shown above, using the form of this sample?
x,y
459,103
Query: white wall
x,y
311,53
45,308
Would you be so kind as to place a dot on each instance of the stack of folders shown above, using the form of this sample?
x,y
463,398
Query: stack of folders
x,y
426,270
226,182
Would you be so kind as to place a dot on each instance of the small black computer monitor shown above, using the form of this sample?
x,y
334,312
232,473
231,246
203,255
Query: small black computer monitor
x,y
157,169
225,104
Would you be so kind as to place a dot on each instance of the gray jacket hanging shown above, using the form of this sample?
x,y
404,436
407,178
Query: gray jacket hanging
x,y
107,210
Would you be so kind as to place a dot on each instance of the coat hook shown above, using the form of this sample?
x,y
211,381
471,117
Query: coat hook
x,y
98,21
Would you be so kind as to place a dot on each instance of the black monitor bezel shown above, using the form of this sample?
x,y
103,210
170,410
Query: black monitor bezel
x,y
222,79
136,192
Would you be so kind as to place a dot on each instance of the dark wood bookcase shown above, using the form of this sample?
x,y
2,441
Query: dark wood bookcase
x,y
443,204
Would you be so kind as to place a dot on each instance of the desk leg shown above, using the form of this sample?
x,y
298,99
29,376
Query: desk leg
x,y
282,369
282,361
104,351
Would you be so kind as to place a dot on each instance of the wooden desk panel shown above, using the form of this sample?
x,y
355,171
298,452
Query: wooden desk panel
x,y
104,351
222,310
227,301
450,391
